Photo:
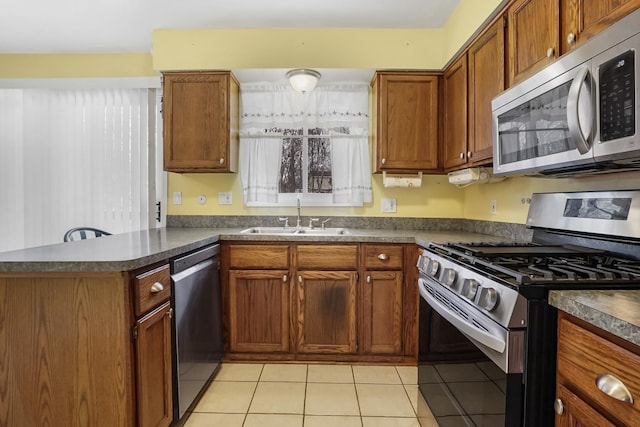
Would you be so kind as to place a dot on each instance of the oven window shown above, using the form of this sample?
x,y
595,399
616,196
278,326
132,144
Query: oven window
x,y
598,208
536,128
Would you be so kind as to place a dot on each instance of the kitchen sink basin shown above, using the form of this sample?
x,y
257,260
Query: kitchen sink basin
x,y
293,231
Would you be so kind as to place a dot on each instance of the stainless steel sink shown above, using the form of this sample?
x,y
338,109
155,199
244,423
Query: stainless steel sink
x,y
293,231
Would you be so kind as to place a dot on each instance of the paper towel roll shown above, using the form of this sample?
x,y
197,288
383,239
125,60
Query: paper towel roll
x,y
402,181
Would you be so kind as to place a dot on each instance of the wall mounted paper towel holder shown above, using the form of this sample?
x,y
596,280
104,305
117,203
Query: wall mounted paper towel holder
x,y
402,181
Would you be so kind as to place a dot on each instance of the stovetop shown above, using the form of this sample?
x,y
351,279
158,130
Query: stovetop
x,y
551,266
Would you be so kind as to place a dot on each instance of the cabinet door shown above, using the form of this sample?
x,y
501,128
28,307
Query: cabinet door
x,y
405,122
577,413
153,368
584,19
532,36
486,80
454,84
382,312
259,311
326,311
200,117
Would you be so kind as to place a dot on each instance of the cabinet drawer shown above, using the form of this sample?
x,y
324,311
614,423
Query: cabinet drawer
x,y
151,288
583,356
259,256
335,257
383,256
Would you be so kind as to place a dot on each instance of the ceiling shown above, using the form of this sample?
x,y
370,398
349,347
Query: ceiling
x,y
121,26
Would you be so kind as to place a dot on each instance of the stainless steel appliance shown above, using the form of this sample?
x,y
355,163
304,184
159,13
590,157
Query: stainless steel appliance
x,y
578,115
197,325
495,296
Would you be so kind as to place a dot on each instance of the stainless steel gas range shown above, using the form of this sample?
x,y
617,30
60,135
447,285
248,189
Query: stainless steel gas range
x,y
487,343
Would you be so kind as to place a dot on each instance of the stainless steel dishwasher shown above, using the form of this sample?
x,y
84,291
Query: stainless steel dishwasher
x,y
197,325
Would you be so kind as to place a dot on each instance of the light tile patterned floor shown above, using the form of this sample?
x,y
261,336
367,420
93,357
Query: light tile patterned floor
x,y
315,395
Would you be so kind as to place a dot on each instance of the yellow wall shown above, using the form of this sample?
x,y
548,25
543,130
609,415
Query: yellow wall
x,y
28,66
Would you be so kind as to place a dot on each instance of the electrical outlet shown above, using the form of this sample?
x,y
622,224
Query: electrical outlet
x,y
494,207
389,205
224,198
177,197
202,199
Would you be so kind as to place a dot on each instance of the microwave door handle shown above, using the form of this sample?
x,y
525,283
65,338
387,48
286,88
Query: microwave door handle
x,y
573,119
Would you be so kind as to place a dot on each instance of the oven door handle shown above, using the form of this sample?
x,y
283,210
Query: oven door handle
x,y
482,337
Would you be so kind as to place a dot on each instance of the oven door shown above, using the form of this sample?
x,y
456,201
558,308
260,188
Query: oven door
x,y
479,380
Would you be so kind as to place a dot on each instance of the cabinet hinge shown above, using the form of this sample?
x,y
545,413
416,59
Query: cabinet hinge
x,y
134,333
505,22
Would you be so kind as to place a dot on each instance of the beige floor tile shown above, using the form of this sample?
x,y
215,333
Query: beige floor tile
x,y
284,373
272,420
389,422
278,398
227,397
382,400
376,375
330,374
425,416
208,420
239,372
414,395
331,399
408,374
331,421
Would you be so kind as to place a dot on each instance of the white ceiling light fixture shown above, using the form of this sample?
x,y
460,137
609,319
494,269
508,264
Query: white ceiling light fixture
x,y
303,80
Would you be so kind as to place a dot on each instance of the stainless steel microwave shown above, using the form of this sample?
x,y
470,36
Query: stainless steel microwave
x,y
579,115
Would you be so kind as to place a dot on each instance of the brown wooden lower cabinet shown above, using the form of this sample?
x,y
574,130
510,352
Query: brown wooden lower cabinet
x,y
153,373
331,302
577,413
326,311
259,311
382,312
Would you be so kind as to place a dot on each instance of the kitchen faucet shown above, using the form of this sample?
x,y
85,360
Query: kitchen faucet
x,y
299,220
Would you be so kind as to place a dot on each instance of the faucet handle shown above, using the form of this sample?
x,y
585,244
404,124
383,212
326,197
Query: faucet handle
x,y
312,220
285,219
325,221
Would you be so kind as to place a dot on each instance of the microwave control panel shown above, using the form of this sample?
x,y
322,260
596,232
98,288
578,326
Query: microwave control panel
x,y
617,97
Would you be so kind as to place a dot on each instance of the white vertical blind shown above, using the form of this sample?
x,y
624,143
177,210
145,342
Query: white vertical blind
x,y
75,157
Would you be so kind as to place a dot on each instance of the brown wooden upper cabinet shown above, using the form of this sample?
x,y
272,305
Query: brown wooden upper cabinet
x,y
532,36
405,121
584,19
469,84
200,119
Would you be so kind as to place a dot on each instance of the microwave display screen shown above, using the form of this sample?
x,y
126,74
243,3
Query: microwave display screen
x,y
617,97
536,128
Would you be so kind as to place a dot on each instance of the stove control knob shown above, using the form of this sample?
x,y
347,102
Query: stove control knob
x,y
470,288
423,262
434,266
489,298
449,276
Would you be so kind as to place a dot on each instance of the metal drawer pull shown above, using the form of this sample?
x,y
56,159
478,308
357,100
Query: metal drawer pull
x,y
156,287
383,257
558,406
368,279
612,386
284,278
299,279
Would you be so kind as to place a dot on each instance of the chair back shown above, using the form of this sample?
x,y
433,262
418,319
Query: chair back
x,y
81,233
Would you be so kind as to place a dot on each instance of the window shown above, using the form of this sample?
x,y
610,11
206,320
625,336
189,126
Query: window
x,y
77,157
313,145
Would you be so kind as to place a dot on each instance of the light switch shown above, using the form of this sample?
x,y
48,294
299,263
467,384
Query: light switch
x,y
389,205
177,197
224,198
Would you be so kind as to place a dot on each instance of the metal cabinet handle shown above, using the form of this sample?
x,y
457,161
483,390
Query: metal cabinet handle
x,y
383,257
461,156
299,279
368,279
550,52
558,406
222,160
612,386
284,278
156,287
383,161
469,153
571,38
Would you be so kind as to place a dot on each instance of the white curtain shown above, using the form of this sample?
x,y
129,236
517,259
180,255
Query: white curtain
x,y
75,157
268,109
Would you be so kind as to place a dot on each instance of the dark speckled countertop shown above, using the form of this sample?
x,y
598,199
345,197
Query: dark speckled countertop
x,y
127,251
617,312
